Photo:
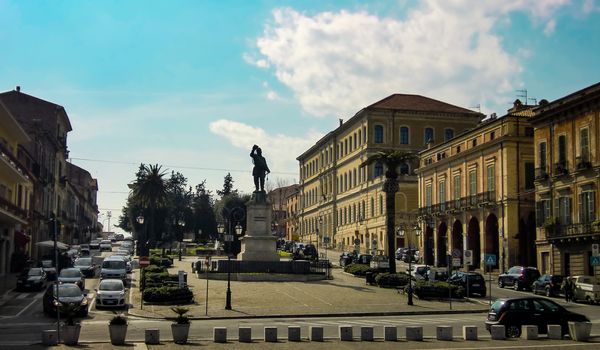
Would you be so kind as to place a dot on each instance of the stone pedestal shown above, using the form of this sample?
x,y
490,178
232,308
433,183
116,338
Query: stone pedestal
x,y
259,244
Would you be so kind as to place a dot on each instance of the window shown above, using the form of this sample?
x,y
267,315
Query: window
x,y
428,135
473,142
542,156
442,194
491,178
364,134
587,205
542,212
378,134
584,145
380,205
457,188
359,138
529,176
404,169
355,144
428,197
350,146
345,146
473,182
378,169
492,135
563,210
562,150
372,207
404,135
448,134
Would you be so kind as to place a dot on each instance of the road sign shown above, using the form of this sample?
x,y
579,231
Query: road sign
x,y
596,249
144,261
374,242
595,260
456,253
468,255
356,241
490,259
456,262
326,240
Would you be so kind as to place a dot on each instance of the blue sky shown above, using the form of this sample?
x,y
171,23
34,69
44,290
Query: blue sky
x,y
193,84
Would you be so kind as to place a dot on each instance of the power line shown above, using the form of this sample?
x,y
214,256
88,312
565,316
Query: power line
x,y
176,166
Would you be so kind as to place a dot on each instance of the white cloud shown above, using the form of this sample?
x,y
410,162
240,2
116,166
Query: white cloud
x,y
335,63
261,63
272,96
550,27
589,6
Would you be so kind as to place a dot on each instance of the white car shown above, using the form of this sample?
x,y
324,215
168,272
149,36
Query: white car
x,y
110,293
106,244
125,258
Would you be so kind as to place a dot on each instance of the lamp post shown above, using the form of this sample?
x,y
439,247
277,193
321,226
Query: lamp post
x,y
401,233
320,225
141,242
228,238
180,224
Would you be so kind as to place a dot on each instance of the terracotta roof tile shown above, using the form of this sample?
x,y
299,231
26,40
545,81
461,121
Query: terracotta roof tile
x,y
418,103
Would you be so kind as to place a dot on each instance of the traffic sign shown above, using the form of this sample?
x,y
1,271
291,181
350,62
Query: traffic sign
x,y
468,255
144,261
456,253
357,241
595,249
595,260
456,262
374,242
490,259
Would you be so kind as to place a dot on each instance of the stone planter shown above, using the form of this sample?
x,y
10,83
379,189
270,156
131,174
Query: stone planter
x,y
180,332
580,331
117,334
70,334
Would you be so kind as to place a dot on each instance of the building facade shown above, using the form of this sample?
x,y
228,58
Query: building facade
x,y
567,160
341,201
292,219
279,218
476,193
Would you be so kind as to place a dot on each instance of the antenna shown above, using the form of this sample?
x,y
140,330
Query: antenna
x,y
477,106
522,93
534,100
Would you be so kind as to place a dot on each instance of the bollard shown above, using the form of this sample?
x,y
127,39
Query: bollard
x,y
294,333
271,334
49,337
345,333
316,333
498,332
414,333
390,333
554,331
470,332
152,336
443,332
366,333
530,331
245,335
220,334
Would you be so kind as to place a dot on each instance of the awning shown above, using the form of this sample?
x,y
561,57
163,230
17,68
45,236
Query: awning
x,y
50,244
21,239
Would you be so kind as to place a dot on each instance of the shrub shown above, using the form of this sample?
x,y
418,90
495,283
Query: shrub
x,y
392,279
168,293
118,320
154,268
358,269
424,290
181,312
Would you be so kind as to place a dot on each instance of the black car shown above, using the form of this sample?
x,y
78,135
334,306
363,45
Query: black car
x,y
516,312
519,277
411,255
68,293
34,278
362,259
549,285
346,258
86,266
475,280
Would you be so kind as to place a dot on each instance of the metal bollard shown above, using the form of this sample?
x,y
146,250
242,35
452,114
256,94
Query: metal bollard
x,y
366,333
414,333
470,332
498,332
345,333
294,333
152,336
220,334
530,332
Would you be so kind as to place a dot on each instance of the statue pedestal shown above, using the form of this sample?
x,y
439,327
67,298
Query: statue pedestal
x,y
259,244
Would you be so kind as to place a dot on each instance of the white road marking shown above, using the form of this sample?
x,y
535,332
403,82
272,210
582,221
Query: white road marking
x,y
25,308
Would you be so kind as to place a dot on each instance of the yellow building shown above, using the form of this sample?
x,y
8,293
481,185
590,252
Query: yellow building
x,y
16,189
477,193
567,179
342,204
291,223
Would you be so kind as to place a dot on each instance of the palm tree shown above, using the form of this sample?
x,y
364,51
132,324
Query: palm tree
x,y
150,192
392,160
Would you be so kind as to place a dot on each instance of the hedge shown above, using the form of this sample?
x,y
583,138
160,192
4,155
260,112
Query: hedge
x,y
358,269
424,290
387,279
166,293
154,269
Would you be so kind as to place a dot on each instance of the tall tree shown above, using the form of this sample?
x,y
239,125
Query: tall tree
x,y
204,220
391,160
227,186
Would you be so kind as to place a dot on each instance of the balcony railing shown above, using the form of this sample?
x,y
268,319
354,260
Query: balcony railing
x,y
12,159
570,230
560,168
457,205
12,208
541,174
583,163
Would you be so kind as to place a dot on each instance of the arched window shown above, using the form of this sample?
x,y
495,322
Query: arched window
x,y
428,135
378,134
448,134
404,135
378,169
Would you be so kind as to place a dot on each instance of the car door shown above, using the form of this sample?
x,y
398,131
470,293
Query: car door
x,y
546,312
518,313
538,285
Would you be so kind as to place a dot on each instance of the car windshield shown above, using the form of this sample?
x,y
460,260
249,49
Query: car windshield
x,y
33,272
497,305
111,285
113,264
68,290
70,273
46,263
475,278
83,262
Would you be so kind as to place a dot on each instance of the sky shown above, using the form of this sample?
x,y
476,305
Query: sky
x,y
192,85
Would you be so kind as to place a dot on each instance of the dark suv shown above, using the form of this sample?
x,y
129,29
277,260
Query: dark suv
x,y
476,282
549,285
519,277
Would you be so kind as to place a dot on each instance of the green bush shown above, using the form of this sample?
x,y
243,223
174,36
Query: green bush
x,y
387,279
358,269
154,269
168,293
424,290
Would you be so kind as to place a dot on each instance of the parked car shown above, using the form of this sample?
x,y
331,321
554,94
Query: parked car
x,y
400,253
436,274
410,254
86,266
476,282
549,285
105,244
362,259
95,244
110,293
113,268
515,312
34,278
72,275
346,258
586,288
126,257
67,293
418,271
49,269
519,277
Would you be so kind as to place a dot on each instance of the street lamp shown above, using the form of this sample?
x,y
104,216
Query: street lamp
x,y
228,238
141,242
181,224
401,233
320,224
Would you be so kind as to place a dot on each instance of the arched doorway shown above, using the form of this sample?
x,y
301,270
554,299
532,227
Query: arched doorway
x,y
492,238
457,236
428,246
473,241
442,241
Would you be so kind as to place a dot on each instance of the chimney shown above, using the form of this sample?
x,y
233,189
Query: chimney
x,y
341,121
18,88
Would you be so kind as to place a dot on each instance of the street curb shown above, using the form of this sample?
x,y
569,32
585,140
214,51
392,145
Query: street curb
x,y
343,314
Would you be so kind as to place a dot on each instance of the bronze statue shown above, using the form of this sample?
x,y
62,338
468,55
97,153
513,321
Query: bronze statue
x,y
260,168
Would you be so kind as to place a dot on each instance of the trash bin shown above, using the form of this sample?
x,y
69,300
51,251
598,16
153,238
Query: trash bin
x,y
370,278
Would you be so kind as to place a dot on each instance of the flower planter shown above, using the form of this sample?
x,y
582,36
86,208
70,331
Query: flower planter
x,y
580,331
117,334
70,334
180,332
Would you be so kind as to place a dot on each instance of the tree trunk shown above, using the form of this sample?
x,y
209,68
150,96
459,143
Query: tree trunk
x,y
390,187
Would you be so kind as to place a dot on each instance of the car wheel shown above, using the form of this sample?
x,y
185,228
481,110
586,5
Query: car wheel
x,y
501,283
517,285
513,331
548,292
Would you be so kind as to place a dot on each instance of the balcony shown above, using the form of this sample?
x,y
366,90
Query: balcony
x,y
583,163
541,174
486,199
571,230
468,202
10,211
453,206
560,169
15,169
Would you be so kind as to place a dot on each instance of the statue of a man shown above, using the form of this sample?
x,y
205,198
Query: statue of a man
x,y
260,168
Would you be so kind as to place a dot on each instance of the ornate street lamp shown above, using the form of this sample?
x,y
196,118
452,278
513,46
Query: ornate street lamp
x,y
142,242
401,232
228,238
181,224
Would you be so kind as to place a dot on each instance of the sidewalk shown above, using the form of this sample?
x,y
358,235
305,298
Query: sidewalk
x,y
342,295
